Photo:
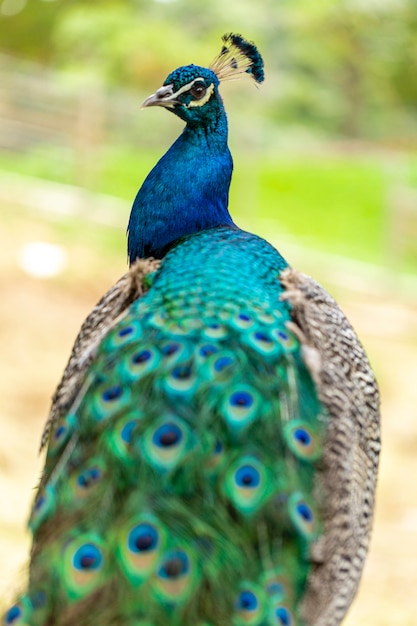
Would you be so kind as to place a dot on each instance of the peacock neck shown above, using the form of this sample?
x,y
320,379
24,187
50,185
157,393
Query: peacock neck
x,y
186,192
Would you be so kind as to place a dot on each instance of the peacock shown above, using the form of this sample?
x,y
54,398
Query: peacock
x,y
212,447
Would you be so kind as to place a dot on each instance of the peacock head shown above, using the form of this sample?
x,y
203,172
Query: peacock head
x,y
192,92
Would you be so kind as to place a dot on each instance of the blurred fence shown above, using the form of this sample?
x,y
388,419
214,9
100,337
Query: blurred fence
x,y
80,115
36,109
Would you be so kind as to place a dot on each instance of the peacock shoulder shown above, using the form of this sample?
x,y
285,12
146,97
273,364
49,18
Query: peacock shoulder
x,y
110,307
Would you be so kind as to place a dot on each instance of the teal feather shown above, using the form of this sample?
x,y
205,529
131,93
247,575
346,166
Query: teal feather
x,y
119,439
165,444
241,405
181,483
303,440
247,484
177,576
43,507
83,482
83,566
18,613
250,606
281,614
197,416
61,434
139,547
304,516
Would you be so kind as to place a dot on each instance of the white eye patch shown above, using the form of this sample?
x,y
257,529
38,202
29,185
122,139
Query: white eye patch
x,y
204,99
187,87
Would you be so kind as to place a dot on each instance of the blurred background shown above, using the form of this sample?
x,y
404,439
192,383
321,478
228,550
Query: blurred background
x,y
325,168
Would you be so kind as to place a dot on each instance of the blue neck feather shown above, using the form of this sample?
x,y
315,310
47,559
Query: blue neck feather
x,y
186,192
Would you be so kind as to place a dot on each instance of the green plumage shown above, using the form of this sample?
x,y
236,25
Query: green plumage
x,y
178,483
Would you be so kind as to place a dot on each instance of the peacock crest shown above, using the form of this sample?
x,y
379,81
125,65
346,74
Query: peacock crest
x,y
238,57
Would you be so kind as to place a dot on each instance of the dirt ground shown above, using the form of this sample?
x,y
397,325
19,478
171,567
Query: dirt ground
x,y
38,322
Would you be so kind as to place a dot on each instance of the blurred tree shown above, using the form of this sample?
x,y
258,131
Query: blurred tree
x,y
28,31
344,67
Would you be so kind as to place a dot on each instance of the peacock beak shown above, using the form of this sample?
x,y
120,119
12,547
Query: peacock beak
x,y
163,97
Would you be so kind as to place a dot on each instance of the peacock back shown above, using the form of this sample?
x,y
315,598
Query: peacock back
x,y
180,483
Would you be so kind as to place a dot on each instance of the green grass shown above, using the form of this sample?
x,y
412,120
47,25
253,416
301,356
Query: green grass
x,y
335,204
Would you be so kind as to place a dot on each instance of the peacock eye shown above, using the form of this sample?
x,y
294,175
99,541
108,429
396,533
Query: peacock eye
x,y
198,90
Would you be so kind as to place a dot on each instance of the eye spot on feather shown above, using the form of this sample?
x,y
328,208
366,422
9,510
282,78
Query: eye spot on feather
x,y
167,435
141,357
112,393
120,438
286,340
262,341
88,557
242,321
176,564
61,430
170,349
247,601
247,484
137,363
127,430
89,477
304,512
180,381
222,363
165,444
123,332
207,350
263,337
144,543
250,606
241,399
302,436
61,434
303,517
303,441
283,616
42,508
240,407
13,614
39,502
139,549
143,538
181,372
176,577
126,332
247,476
